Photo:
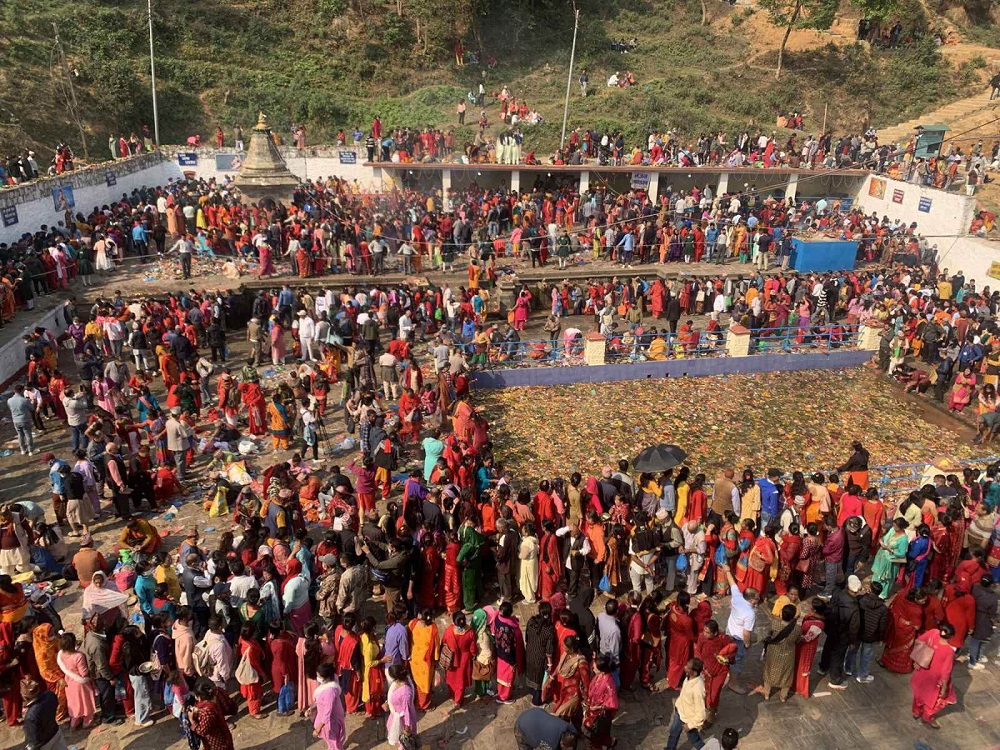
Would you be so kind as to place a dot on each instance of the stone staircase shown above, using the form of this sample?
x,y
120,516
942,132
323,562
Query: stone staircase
x,y
959,115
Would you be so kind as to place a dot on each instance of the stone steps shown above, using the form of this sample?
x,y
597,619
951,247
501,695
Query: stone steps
x,y
949,114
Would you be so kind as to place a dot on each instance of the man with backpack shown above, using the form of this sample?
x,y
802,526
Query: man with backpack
x,y
79,509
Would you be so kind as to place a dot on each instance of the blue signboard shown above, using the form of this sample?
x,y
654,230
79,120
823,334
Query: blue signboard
x,y
111,179
187,159
924,205
348,157
9,215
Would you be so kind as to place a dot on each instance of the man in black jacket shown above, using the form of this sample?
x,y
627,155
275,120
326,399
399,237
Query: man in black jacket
x,y
842,628
986,613
507,545
874,616
40,705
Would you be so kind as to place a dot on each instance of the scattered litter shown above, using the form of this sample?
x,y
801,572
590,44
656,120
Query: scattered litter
x,y
6,452
822,695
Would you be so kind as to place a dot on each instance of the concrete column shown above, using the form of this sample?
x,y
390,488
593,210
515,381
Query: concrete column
x,y
515,181
445,182
723,183
584,182
654,186
594,348
793,187
737,341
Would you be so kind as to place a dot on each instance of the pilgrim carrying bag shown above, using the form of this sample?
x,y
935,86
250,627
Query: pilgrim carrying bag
x,y
922,654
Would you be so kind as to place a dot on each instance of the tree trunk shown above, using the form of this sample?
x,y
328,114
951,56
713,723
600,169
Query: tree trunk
x,y
784,39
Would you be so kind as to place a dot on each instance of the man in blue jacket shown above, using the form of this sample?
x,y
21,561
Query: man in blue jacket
x,y
770,497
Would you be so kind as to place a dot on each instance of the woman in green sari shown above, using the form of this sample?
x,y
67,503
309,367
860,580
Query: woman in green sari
x,y
470,560
890,556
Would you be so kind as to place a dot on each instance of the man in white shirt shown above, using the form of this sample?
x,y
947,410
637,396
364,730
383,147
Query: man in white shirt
x,y
241,584
389,375
307,335
739,627
406,250
689,708
405,326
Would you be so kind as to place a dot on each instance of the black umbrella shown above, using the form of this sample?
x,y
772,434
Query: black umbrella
x,y
659,458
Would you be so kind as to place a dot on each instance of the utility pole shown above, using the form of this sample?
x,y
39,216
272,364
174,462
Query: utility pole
x,y
71,100
152,73
569,78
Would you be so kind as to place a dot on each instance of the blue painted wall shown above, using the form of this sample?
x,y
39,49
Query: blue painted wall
x,y
694,368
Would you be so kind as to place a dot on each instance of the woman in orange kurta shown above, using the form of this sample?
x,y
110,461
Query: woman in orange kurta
x,y
424,655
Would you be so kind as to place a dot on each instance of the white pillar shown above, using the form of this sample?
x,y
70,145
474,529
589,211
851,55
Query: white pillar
x,y
654,186
445,183
737,341
723,183
584,182
515,181
793,186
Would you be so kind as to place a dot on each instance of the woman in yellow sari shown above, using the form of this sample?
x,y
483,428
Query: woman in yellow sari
x,y
658,348
372,680
8,302
424,655
46,644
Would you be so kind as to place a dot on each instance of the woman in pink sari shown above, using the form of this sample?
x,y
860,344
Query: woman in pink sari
x,y
932,686
522,308
266,266
602,705
328,723
80,695
402,713
961,394
510,651
277,342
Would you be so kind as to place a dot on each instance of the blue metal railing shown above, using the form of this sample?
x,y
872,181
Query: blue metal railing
x,y
815,336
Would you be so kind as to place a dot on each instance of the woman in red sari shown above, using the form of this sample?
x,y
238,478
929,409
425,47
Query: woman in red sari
x,y
349,663
409,426
763,555
253,399
932,687
906,615
788,558
813,625
549,562
729,541
430,567
716,651
226,391
458,649
572,679
744,544
681,642
451,580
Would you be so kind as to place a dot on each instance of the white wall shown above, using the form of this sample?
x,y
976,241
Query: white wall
x,y
972,256
12,353
34,201
950,213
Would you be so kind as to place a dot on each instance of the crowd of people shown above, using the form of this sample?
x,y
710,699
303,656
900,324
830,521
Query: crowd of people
x,y
576,589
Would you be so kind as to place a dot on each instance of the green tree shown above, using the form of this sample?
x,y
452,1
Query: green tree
x,y
799,14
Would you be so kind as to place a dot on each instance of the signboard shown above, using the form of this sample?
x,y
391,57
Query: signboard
x,y
228,162
897,196
924,205
9,215
111,179
187,159
994,272
62,198
640,180
347,157
876,188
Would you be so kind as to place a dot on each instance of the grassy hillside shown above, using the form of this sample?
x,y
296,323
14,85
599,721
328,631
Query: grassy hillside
x,y
335,63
